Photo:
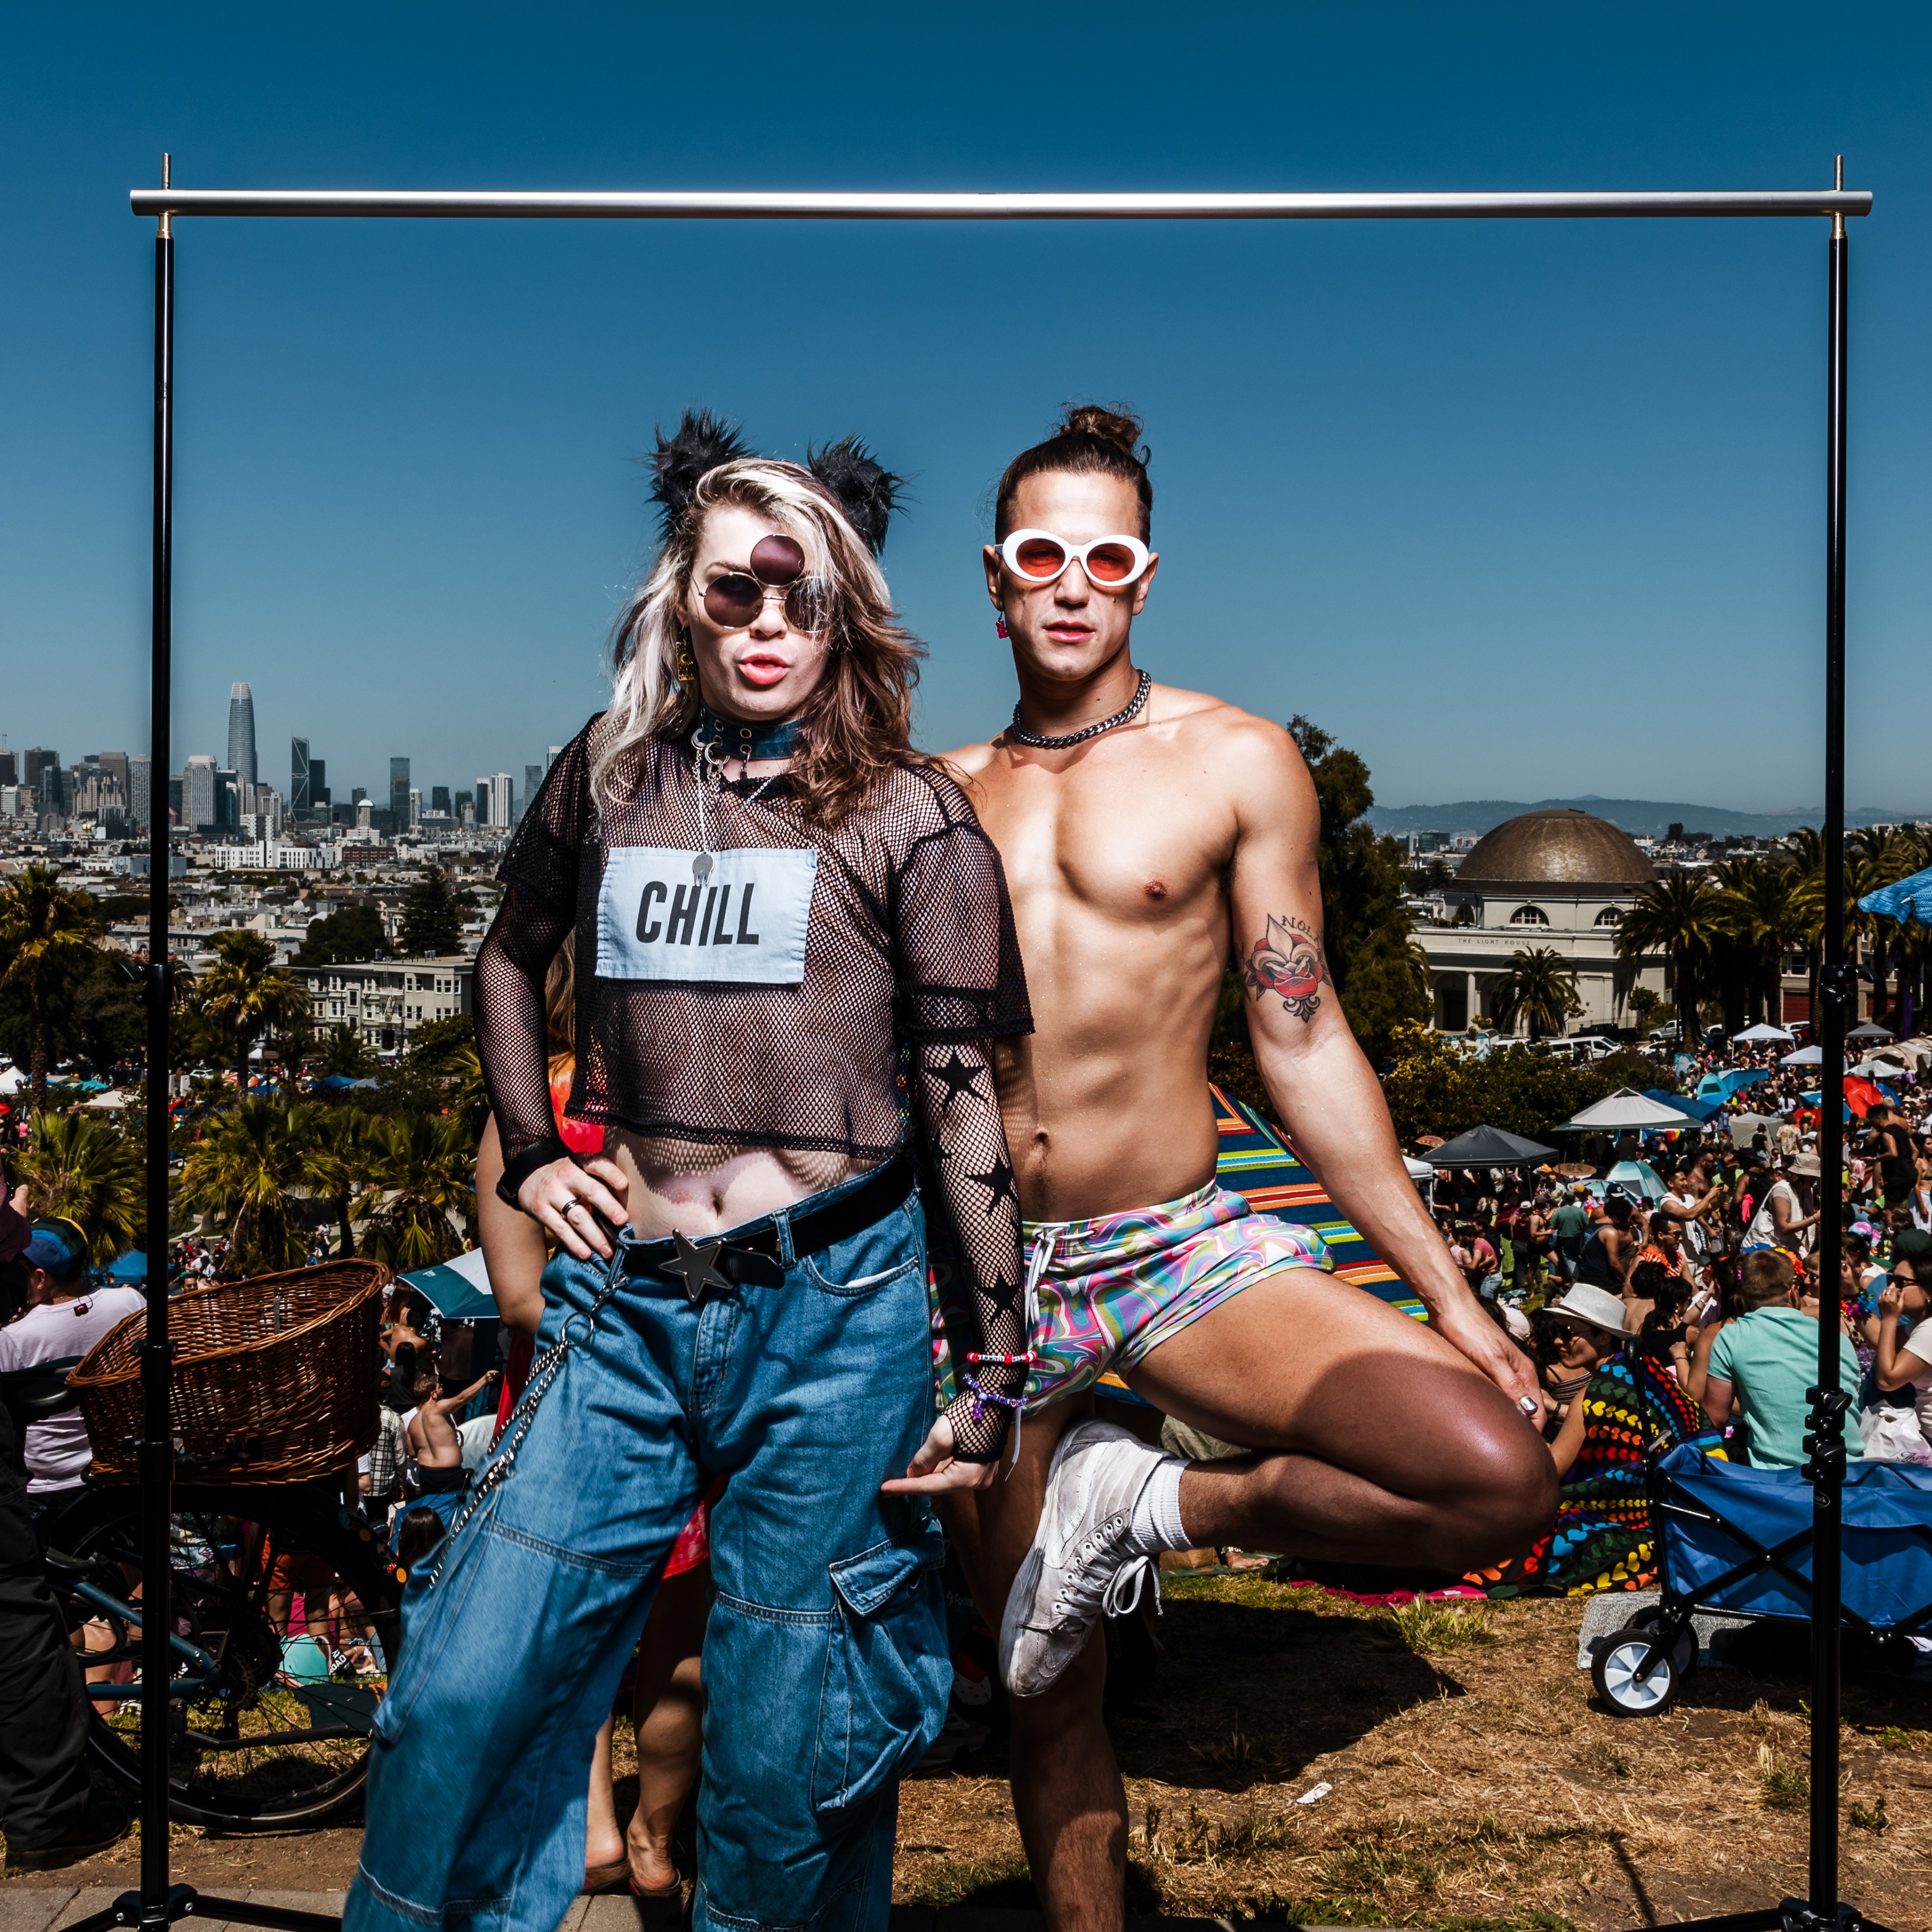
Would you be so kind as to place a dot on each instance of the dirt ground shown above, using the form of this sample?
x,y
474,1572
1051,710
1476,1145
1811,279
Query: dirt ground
x,y
1473,1785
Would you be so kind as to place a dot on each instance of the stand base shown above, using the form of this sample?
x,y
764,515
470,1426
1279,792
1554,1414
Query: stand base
x,y
1792,1915
184,1902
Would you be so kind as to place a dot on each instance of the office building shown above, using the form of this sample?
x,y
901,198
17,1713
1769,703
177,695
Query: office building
x,y
114,765
439,799
199,802
298,797
9,767
551,754
140,793
533,776
242,732
399,791
38,761
318,788
416,807
227,798
56,792
463,807
502,799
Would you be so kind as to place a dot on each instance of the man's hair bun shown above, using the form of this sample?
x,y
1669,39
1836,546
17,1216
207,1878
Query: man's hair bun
x,y
1114,423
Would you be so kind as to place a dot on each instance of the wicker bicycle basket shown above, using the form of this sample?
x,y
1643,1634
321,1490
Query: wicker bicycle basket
x,y
274,1378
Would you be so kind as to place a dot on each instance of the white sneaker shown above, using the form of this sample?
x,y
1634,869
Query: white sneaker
x,y
1077,1571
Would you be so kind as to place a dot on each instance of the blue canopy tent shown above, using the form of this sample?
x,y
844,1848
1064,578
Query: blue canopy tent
x,y
458,1290
1722,1086
1905,900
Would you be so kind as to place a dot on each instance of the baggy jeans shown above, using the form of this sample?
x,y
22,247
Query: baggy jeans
x,y
825,1669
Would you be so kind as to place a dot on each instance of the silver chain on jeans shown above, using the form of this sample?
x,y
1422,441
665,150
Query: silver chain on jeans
x,y
543,1372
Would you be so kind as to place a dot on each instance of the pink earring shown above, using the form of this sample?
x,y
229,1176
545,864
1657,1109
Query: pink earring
x,y
999,627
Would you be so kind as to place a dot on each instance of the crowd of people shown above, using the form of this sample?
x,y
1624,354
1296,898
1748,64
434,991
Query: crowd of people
x,y
1657,1314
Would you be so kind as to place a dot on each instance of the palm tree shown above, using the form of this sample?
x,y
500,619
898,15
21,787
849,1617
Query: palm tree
x,y
1539,988
420,1169
1678,914
334,1144
244,1170
244,990
78,1166
44,930
1762,907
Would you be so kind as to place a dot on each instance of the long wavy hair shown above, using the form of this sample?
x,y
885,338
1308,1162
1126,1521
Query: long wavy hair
x,y
855,726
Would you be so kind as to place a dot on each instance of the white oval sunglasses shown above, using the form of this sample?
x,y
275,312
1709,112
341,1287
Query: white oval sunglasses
x,y
1039,557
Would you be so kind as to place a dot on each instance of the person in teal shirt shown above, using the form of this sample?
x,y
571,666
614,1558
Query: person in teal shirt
x,y
1762,1364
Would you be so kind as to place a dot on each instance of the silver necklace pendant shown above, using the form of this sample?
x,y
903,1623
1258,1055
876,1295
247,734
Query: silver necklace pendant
x,y
701,866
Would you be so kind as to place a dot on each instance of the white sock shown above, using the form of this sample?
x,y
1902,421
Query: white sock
x,y
1156,1525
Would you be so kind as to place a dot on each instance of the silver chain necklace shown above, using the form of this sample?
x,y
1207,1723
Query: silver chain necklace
x,y
1125,714
710,762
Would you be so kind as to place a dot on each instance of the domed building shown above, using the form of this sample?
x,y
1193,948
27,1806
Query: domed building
x,y
1556,878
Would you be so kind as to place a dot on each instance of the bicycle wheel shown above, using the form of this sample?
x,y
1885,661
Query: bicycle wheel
x,y
285,1591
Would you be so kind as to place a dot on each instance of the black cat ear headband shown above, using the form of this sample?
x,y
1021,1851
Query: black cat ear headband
x,y
867,491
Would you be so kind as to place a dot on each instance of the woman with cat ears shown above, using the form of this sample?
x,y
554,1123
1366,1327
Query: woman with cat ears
x,y
794,950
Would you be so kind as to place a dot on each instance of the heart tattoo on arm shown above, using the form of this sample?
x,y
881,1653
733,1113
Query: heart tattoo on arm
x,y
1287,960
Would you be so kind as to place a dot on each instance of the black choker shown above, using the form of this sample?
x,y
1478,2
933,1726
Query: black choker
x,y
735,738
1129,711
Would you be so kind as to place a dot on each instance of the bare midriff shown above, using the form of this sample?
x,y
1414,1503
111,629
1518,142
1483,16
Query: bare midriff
x,y
677,1187
1116,865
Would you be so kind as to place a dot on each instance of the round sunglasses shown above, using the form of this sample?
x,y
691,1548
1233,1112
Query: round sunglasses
x,y
1039,557
733,601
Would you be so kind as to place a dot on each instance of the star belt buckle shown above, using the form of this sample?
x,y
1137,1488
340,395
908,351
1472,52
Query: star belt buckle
x,y
696,1267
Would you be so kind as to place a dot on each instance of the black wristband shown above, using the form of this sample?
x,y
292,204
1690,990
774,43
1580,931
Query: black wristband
x,y
538,1153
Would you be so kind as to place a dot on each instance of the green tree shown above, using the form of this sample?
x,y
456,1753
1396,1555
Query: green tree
x,y
334,1146
1380,974
419,1173
342,1050
82,1166
1539,988
1680,915
244,1170
87,1009
354,933
1761,906
432,918
45,933
245,990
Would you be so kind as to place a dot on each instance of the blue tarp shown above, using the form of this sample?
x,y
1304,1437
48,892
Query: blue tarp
x,y
130,1267
1696,1110
1887,1519
1722,1086
335,1082
458,1290
1907,900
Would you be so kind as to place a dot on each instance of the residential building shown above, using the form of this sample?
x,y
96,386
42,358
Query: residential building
x,y
242,732
387,1000
270,855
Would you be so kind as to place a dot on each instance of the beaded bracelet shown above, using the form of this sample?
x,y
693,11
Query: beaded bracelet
x,y
981,1397
1007,1361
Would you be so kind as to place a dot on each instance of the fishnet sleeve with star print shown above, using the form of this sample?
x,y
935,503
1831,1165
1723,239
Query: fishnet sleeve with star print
x,y
966,1149
962,986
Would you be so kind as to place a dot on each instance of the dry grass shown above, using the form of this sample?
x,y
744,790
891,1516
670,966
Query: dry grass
x,y
1474,1787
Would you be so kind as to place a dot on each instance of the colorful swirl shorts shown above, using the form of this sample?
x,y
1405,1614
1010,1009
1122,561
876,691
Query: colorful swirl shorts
x,y
1101,1294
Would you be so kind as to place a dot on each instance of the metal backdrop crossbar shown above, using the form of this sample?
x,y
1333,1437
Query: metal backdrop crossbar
x,y
155,1904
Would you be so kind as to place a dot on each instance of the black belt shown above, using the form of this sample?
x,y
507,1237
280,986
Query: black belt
x,y
750,1258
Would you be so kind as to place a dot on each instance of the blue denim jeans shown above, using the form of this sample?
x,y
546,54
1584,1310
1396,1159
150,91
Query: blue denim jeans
x,y
825,1668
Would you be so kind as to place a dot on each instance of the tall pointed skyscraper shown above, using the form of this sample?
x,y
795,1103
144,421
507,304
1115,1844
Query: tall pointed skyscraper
x,y
242,732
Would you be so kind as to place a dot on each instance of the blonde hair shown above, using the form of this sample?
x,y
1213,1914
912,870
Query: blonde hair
x,y
856,725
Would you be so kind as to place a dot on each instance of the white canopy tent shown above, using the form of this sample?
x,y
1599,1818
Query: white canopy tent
x,y
1758,1035
1617,1112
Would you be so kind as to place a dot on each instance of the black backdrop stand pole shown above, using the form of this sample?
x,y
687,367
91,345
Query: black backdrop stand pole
x,y
158,1903
156,1452
1826,1468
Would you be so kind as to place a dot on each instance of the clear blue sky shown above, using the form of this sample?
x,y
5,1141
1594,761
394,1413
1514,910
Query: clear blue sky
x,y
1515,509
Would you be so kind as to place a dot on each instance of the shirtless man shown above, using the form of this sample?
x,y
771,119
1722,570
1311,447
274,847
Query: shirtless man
x,y
1177,832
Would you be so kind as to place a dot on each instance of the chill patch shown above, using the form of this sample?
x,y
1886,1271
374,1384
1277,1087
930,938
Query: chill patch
x,y
744,922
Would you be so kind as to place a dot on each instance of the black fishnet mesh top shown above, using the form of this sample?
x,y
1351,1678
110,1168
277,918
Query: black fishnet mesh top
x,y
911,947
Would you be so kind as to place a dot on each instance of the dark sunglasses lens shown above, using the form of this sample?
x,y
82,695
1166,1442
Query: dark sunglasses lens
x,y
1039,556
776,560
806,608
733,601
1110,563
